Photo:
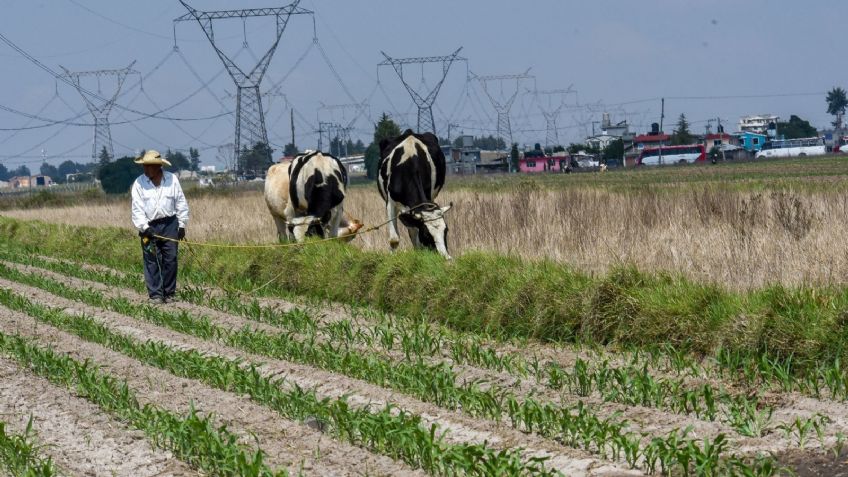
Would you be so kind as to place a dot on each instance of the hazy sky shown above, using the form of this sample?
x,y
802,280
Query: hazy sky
x,y
708,58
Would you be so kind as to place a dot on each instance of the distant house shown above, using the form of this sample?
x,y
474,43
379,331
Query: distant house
x,y
720,140
539,163
651,140
751,141
18,182
601,141
758,123
4,185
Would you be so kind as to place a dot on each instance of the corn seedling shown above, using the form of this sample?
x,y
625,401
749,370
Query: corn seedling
x,y
20,456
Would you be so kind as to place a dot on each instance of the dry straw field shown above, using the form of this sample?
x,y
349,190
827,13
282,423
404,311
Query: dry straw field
x,y
631,374
741,227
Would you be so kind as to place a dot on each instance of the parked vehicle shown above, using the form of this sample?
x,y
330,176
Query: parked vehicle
x,y
672,155
811,146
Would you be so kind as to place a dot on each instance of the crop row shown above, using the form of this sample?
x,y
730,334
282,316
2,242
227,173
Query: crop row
x,y
626,384
575,426
418,338
20,456
192,438
388,431
414,338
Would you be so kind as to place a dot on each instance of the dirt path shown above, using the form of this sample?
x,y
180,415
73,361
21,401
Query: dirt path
x,y
459,428
80,438
287,443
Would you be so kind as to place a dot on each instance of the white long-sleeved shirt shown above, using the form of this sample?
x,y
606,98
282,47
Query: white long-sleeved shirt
x,y
150,202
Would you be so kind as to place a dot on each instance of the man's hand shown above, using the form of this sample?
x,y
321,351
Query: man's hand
x,y
146,233
181,233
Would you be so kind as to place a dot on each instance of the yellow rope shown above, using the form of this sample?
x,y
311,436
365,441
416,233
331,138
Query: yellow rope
x,y
191,244
364,230
269,245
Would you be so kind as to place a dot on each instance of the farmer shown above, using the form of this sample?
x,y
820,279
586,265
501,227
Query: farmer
x,y
159,208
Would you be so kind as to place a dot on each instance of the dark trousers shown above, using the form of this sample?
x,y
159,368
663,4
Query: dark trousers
x,y
160,259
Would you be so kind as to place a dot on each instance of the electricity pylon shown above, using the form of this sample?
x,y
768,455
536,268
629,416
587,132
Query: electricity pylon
x,y
426,123
250,118
551,110
100,109
503,103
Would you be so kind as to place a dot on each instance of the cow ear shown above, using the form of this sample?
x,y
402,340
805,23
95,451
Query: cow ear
x,y
447,207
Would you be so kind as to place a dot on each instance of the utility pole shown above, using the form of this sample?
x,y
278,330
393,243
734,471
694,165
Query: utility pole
x,y
294,145
551,112
100,111
662,116
424,102
503,104
250,118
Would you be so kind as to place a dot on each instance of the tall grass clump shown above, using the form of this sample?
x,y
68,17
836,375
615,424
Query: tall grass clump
x,y
501,296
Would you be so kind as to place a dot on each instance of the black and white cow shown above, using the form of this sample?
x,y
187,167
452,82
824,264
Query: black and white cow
x,y
412,173
317,186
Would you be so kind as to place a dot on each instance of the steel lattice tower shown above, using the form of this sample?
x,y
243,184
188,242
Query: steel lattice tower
x,y
426,123
250,118
551,112
100,110
504,104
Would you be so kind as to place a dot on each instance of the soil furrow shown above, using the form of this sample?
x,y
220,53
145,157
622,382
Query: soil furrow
x,y
647,419
789,406
80,438
287,443
458,427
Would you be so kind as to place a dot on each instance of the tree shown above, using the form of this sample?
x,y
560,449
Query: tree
x,y
615,150
574,148
384,129
290,150
117,177
194,159
513,158
67,167
52,172
104,156
257,160
682,135
4,173
796,128
837,101
178,160
21,171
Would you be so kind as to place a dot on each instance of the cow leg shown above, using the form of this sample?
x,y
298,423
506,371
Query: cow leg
x,y
282,230
331,229
289,214
413,237
391,211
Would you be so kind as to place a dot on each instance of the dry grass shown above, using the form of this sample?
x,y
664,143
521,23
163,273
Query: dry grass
x,y
737,239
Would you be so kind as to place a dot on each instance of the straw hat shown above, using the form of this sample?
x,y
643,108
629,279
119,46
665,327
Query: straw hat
x,y
152,157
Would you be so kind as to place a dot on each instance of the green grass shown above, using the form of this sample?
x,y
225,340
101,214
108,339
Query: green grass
x,y
20,456
630,383
500,296
816,173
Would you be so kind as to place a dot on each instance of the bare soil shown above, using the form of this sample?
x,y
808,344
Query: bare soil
x,y
79,438
287,443
812,461
457,427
